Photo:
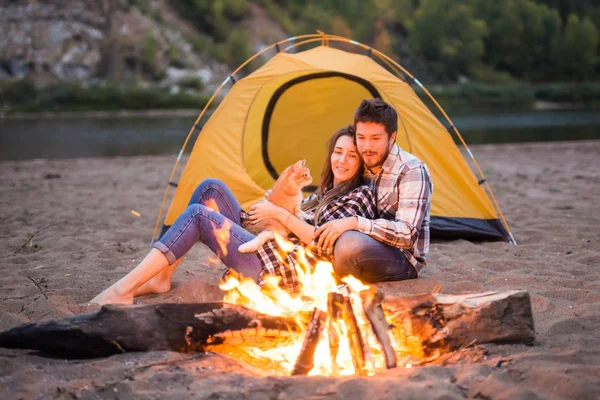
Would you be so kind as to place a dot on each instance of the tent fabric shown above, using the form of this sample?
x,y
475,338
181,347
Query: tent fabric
x,y
286,111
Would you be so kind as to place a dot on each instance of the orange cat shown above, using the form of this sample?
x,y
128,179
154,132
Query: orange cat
x,y
287,194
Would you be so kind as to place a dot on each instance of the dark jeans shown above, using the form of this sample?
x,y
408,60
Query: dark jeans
x,y
201,223
369,260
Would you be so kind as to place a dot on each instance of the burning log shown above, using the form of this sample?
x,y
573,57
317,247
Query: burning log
x,y
117,329
423,326
305,363
372,299
442,322
334,310
357,346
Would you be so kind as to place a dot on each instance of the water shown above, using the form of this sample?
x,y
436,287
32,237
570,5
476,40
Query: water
x,y
105,137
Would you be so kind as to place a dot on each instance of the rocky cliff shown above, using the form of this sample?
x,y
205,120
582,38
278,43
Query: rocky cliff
x,y
86,40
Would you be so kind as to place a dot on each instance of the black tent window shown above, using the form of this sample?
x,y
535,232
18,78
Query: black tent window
x,y
277,95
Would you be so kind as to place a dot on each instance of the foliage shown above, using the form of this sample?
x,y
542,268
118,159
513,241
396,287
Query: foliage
x,y
24,96
448,33
238,48
577,48
149,49
213,17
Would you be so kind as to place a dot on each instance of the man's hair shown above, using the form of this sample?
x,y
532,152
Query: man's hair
x,y
378,111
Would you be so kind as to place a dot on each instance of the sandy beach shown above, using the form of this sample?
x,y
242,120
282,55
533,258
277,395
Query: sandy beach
x,y
549,193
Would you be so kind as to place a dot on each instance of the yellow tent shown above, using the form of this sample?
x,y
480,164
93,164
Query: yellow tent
x,y
287,109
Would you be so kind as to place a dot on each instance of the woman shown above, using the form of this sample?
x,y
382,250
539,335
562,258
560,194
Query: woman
x,y
340,194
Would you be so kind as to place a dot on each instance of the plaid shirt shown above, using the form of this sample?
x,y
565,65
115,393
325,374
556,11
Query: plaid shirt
x,y
276,261
403,188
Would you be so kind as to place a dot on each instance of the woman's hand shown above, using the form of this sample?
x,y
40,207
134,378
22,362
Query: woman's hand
x,y
330,231
265,210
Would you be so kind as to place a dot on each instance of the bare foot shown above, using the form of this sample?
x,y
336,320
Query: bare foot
x,y
155,285
110,296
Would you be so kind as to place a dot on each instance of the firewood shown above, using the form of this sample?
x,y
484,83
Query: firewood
x,y
355,339
334,310
423,326
116,329
305,360
372,299
442,322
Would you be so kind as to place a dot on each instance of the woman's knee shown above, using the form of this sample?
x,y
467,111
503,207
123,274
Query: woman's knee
x,y
209,183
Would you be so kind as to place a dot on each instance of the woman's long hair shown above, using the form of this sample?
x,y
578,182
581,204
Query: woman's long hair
x,y
326,192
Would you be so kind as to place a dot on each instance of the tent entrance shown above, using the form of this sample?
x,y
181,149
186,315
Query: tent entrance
x,y
299,118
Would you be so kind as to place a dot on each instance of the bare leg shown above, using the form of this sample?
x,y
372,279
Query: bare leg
x,y
123,290
160,283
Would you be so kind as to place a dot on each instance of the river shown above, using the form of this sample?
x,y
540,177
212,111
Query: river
x,y
22,139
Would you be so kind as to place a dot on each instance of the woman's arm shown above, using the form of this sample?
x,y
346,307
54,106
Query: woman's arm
x,y
302,229
266,209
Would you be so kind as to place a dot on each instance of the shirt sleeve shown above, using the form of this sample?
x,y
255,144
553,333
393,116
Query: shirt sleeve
x,y
414,192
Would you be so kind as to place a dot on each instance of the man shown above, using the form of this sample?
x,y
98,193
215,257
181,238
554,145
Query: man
x,y
394,246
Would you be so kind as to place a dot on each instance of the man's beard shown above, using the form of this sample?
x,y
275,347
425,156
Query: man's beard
x,y
380,158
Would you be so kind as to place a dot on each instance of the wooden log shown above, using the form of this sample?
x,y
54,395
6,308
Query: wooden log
x,y
442,322
117,329
424,324
334,311
355,339
305,360
372,299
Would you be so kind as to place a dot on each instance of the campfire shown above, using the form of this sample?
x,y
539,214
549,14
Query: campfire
x,y
343,329
330,328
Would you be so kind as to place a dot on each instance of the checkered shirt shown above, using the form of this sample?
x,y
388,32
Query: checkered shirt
x,y
277,262
403,191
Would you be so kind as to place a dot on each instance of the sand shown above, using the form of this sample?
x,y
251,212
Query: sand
x,y
549,193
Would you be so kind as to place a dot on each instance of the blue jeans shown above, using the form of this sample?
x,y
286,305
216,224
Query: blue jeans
x,y
200,223
358,254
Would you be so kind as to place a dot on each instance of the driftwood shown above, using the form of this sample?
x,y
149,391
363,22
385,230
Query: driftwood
x,y
117,329
442,322
423,324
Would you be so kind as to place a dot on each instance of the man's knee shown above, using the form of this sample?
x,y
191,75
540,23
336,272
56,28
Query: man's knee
x,y
345,250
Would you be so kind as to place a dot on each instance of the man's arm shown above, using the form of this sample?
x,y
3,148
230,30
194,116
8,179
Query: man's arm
x,y
414,193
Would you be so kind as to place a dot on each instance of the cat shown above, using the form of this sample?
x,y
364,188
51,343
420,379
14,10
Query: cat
x,y
287,194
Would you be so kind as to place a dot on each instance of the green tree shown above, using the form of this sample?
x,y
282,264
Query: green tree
x,y
149,49
522,35
238,48
447,32
578,48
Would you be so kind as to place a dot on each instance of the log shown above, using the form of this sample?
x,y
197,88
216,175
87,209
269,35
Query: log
x,y
355,339
432,323
116,329
372,299
334,310
422,325
305,360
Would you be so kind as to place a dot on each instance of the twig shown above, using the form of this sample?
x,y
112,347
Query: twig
x,y
38,286
38,231
168,362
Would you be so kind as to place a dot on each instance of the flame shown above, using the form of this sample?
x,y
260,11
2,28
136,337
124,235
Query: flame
x,y
317,283
222,233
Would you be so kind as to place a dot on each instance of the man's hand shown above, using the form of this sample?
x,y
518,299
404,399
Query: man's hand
x,y
330,231
264,210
